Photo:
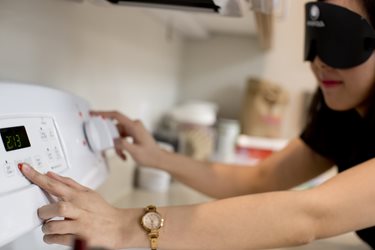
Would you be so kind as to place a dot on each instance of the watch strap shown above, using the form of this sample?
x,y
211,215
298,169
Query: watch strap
x,y
150,208
153,236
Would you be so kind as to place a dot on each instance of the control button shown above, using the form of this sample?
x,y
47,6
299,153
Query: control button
x,y
49,154
57,168
57,153
9,170
100,133
43,134
43,121
39,164
29,161
51,133
38,161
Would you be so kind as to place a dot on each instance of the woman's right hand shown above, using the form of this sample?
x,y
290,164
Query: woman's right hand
x,y
144,149
82,212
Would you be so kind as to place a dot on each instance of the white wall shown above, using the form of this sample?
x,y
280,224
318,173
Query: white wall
x,y
217,69
116,57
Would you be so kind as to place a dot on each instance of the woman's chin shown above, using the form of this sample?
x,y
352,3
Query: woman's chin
x,y
334,105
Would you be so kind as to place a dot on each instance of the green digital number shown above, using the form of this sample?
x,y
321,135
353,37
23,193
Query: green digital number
x,y
9,142
18,141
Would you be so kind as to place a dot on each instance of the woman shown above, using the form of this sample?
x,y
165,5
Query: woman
x,y
261,215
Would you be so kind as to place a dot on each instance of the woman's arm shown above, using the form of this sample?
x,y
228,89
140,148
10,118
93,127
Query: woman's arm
x,y
279,219
285,169
269,220
291,166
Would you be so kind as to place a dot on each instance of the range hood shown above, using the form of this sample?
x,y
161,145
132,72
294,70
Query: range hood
x,y
221,7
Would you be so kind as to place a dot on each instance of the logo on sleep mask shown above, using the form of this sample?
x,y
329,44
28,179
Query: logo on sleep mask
x,y
314,13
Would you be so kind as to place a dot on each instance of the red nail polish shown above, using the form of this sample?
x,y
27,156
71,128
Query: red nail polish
x,y
20,166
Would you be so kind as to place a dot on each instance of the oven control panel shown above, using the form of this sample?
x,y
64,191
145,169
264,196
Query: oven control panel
x,y
34,140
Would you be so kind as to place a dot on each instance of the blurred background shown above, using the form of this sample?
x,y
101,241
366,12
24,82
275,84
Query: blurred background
x,y
214,87
143,62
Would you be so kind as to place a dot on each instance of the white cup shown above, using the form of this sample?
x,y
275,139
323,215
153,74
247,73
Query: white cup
x,y
152,179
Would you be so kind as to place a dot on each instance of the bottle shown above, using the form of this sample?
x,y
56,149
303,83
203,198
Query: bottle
x,y
227,133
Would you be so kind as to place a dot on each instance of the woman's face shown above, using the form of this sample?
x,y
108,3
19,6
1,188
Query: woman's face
x,y
345,89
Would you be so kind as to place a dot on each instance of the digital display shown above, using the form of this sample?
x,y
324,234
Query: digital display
x,y
14,138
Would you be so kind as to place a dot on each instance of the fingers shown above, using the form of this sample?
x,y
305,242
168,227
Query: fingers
x,y
60,227
114,115
47,183
59,231
121,130
121,154
121,144
128,127
66,239
59,209
125,126
68,181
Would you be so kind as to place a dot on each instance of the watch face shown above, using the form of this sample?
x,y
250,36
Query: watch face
x,y
152,221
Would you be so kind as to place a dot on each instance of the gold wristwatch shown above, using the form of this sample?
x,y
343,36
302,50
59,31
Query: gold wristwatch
x,y
152,221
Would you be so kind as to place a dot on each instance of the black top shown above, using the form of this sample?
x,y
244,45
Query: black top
x,y
345,138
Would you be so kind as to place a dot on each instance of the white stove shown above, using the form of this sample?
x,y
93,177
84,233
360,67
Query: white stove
x,y
53,131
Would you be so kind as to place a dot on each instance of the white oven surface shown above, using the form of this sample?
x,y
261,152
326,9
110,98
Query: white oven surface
x,y
46,128
45,154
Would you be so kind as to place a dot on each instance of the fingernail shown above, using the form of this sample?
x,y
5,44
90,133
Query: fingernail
x,y
24,168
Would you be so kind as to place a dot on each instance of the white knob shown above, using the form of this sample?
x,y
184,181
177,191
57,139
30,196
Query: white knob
x,y
100,133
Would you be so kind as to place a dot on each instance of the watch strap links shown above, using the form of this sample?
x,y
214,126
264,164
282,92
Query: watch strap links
x,y
154,240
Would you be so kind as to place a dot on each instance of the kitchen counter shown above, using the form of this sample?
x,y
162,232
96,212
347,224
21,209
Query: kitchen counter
x,y
180,194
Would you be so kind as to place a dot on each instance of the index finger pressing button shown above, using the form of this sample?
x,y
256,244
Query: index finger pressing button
x,y
54,187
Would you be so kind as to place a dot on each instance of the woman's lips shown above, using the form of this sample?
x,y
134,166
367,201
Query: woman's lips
x,y
331,83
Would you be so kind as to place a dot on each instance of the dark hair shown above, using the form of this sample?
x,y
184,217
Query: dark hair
x,y
318,99
369,6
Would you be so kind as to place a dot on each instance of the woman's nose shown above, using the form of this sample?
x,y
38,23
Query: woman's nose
x,y
321,64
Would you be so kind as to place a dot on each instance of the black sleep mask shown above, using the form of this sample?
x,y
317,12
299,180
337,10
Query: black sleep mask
x,y
340,37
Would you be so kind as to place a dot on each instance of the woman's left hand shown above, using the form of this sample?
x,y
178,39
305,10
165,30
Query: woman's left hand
x,y
86,214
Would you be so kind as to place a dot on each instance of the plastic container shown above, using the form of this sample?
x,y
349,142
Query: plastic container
x,y
252,149
196,134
